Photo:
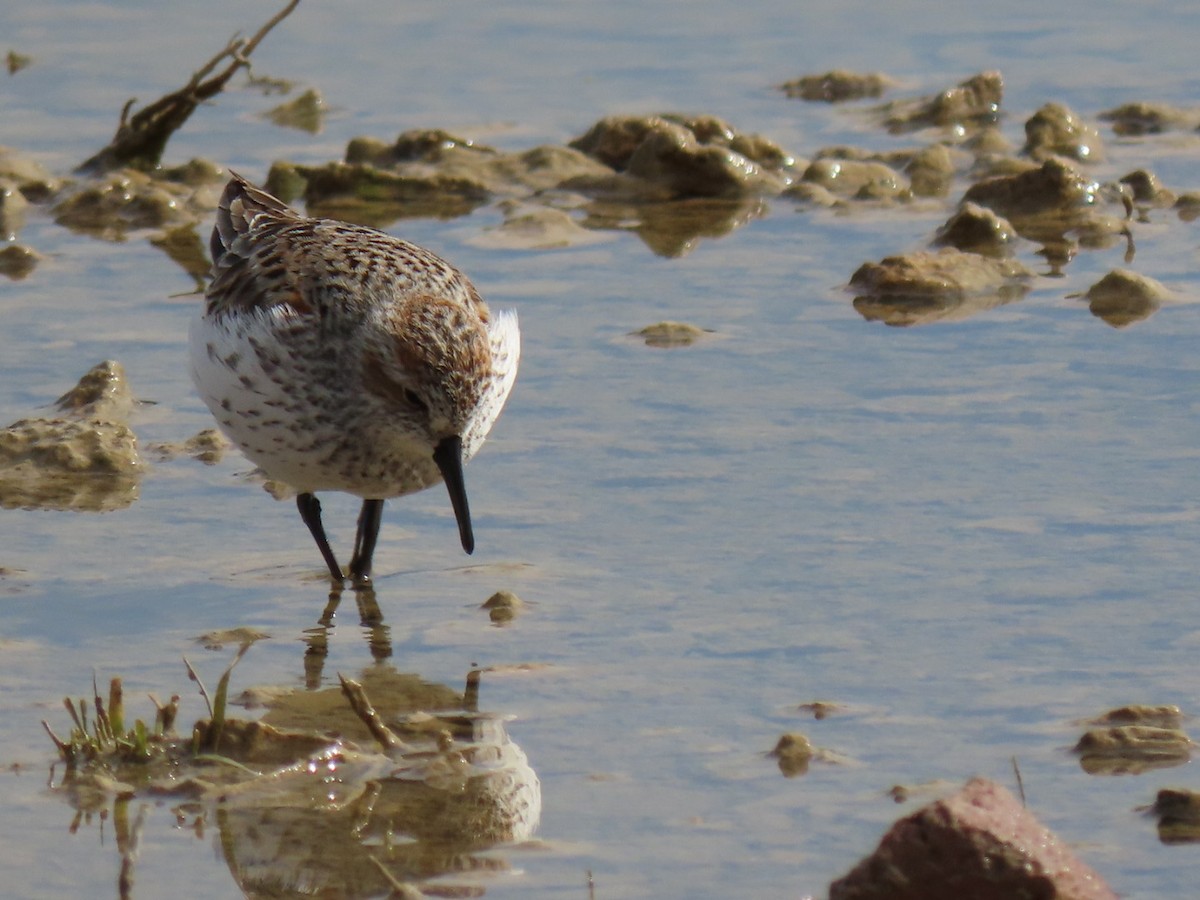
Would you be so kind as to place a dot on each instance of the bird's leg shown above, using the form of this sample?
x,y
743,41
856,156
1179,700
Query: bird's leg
x,y
364,542
310,512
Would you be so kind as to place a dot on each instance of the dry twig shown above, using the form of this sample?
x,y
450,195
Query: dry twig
x,y
141,139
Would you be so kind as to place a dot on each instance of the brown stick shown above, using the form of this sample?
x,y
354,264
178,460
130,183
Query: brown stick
x,y
142,138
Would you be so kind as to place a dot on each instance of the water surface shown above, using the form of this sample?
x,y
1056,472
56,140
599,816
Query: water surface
x,y
969,535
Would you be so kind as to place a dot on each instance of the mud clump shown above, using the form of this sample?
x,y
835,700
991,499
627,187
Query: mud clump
x,y
123,201
688,156
1055,187
18,261
974,102
1178,814
87,460
858,179
102,393
503,607
1054,130
930,286
1053,204
305,112
1123,297
12,209
976,229
418,145
1170,716
930,171
207,446
1136,119
31,178
1132,749
670,334
371,195
1146,189
794,752
837,86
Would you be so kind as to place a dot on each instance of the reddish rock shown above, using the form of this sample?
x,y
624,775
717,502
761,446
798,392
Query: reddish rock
x,y
979,844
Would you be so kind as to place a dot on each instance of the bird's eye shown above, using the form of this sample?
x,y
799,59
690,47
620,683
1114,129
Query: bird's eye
x,y
414,400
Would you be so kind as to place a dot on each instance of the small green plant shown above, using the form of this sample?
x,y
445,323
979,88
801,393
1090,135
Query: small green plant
x,y
99,729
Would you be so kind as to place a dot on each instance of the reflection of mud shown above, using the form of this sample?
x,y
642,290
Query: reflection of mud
x,y
672,228
902,311
362,791
361,827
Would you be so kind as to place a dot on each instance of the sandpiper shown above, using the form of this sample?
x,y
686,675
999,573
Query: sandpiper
x,y
340,358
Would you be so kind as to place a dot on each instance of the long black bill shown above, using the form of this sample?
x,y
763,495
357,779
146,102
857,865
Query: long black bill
x,y
448,456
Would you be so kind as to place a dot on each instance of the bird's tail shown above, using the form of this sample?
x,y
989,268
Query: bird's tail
x,y
241,204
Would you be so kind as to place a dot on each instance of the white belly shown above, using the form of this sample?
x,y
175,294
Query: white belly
x,y
300,417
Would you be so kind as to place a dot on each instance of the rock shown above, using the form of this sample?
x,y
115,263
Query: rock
x,y
67,464
836,86
1056,131
980,844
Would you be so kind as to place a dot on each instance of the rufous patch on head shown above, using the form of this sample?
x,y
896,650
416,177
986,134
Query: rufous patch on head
x,y
441,336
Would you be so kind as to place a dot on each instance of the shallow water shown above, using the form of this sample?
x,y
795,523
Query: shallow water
x,y
969,535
